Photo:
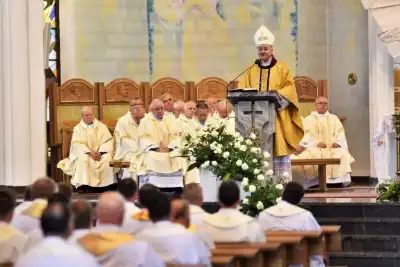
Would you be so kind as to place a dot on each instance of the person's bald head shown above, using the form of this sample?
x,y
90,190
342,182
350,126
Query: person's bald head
x,y
168,101
157,108
110,208
189,109
43,188
87,114
82,214
321,104
223,109
178,108
136,107
212,104
55,220
180,212
194,194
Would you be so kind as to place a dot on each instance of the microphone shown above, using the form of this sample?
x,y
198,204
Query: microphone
x,y
257,62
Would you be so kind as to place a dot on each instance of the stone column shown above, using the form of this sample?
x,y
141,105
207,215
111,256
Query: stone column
x,y
381,87
22,93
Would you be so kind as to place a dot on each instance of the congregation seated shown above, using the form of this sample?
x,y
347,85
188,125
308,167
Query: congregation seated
x,y
126,136
173,242
53,250
109,244
159,142
90,153
229,224
178,108
287,215
12,241
324,137
193,193
83,219
27,214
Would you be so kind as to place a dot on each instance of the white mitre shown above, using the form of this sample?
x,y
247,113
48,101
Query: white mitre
x,y
264,36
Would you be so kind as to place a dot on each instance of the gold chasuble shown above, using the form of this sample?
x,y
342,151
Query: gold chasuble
x,y
288,125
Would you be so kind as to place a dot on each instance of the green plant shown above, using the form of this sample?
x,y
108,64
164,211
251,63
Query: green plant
x,y
389,191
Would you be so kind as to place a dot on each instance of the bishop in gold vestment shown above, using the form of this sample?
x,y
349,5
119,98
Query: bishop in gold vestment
x,y
273,75
159,140
324,138
90,154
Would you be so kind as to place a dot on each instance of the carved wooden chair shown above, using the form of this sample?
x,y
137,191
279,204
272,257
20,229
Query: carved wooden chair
x,y
210,87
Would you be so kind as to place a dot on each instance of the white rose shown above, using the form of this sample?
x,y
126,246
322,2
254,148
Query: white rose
x,y
205,164
243,148
214,133
256,171
278,199
270,172
285,175
245,181
239,163
214,163
248,141
236,134
279,186
245,201
245,166
252,188
253,136
266,154
218,150
225,155
240,139
193,159
266,164
254,160
259,150
260,177
237,145
254,150
260,205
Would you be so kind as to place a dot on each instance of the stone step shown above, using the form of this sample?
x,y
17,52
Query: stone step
x,y
362,226
365,259
353,210
371,243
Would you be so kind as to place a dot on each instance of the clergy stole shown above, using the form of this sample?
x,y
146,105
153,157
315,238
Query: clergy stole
x,y
277,77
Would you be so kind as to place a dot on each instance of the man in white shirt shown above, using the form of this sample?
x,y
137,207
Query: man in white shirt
x,y
194,194
53,250
83,219
109,244
168,101
173,242
229,224
287,215
203,117
226,116
12,241
27,216
212,106
178,108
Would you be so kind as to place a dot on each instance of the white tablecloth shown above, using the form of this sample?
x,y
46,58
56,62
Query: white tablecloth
x,y
210,185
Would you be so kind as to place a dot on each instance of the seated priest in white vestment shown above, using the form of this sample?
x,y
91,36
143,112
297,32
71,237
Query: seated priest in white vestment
x,y
178,108
187,127
173,242
180,214
54,250
212,106
126,135
109,244
229,224
324,137
226,115
82,213
90,154
194,194
287,215
12,241
203,118
159,140
27,219
168,101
